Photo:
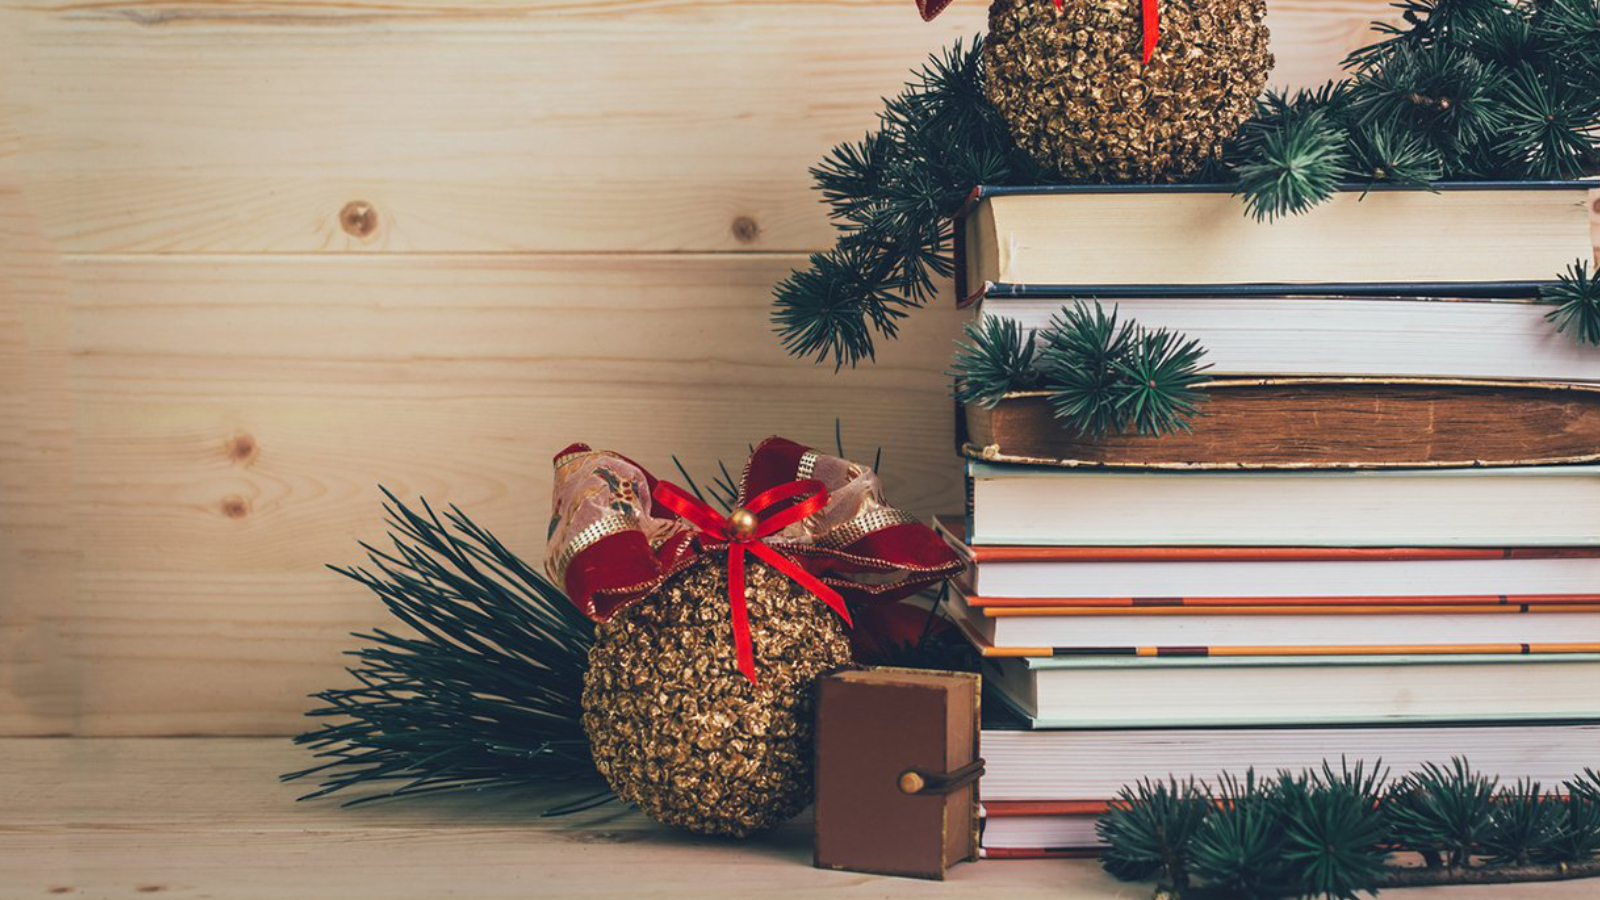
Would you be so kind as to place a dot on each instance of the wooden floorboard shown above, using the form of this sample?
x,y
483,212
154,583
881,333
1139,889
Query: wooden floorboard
x,y
207,817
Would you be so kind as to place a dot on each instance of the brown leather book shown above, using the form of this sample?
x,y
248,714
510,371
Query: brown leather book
x,y
1317,423
897,771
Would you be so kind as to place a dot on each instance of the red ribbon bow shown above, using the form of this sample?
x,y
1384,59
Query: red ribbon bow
x,y
1149,14
743,531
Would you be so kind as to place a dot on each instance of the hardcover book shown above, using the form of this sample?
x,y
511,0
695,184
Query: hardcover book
x,y
1417,336
1092,764
1067,629
1022,575
1532,506
1122,692
1500,239
1316,423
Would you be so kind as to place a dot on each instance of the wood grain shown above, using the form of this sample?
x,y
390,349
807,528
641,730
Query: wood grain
x,y
256,257
231,419
208,818
618,125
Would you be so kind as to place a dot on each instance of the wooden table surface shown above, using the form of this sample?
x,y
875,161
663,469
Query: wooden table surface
x,y
207,817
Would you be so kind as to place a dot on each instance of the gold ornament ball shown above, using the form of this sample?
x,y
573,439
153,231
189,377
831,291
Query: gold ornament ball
x,y
1078,98
678,730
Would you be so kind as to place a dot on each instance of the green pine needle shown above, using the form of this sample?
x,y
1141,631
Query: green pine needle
x,y
1443,812
1297,163
1106,376
995,359
1525,825
1576,296
485,692
1148,830
1332,833
1239,850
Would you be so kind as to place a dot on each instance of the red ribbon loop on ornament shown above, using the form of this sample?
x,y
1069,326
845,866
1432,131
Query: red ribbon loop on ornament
x,y
719,529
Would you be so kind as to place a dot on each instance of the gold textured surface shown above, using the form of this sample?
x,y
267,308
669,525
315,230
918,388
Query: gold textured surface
x,y
1078,98
676,729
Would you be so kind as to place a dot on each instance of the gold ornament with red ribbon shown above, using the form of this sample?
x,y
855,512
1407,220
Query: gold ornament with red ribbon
x,y
712,627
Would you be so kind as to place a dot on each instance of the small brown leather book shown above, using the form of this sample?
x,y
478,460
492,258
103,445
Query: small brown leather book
x,y
897,771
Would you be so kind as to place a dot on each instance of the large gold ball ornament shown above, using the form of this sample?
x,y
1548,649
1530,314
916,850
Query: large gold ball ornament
x,y
1079,99
677,729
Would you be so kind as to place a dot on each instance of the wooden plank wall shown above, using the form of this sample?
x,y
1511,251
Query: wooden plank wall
x,y
258,257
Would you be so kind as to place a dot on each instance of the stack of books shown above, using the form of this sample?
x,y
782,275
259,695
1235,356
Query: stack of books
x,y
1381,538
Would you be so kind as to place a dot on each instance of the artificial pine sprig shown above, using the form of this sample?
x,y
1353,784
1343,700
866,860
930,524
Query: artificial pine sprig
x,y
995,359
1576,296
1103,376
891,195
486,690
1148,829
1442,812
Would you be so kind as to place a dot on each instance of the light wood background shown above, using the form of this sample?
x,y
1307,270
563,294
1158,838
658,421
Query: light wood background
x,y
258,257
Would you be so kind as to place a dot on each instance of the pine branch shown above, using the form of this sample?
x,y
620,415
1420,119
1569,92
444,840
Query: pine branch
x,y
892,195
1576,296
1294,161
995,359
486,693
1105,376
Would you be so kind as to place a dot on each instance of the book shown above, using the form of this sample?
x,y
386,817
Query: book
x,y
1231,575
1022,575
1040,829
1484,239
1489,507
1093,764
1469,338
1099,629
1121,692
1316,423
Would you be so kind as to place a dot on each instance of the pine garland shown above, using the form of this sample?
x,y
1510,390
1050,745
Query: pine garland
x,y
1330,832
1462,90
1102,375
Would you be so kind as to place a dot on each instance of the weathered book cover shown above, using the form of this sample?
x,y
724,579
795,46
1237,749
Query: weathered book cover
x,y
1317,423
897,769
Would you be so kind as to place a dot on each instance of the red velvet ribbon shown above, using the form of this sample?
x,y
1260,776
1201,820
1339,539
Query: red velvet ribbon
x,y
1150,14
719,530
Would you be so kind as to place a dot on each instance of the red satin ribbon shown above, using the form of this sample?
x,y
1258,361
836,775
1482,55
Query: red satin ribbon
x,y
1150,14
717,528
